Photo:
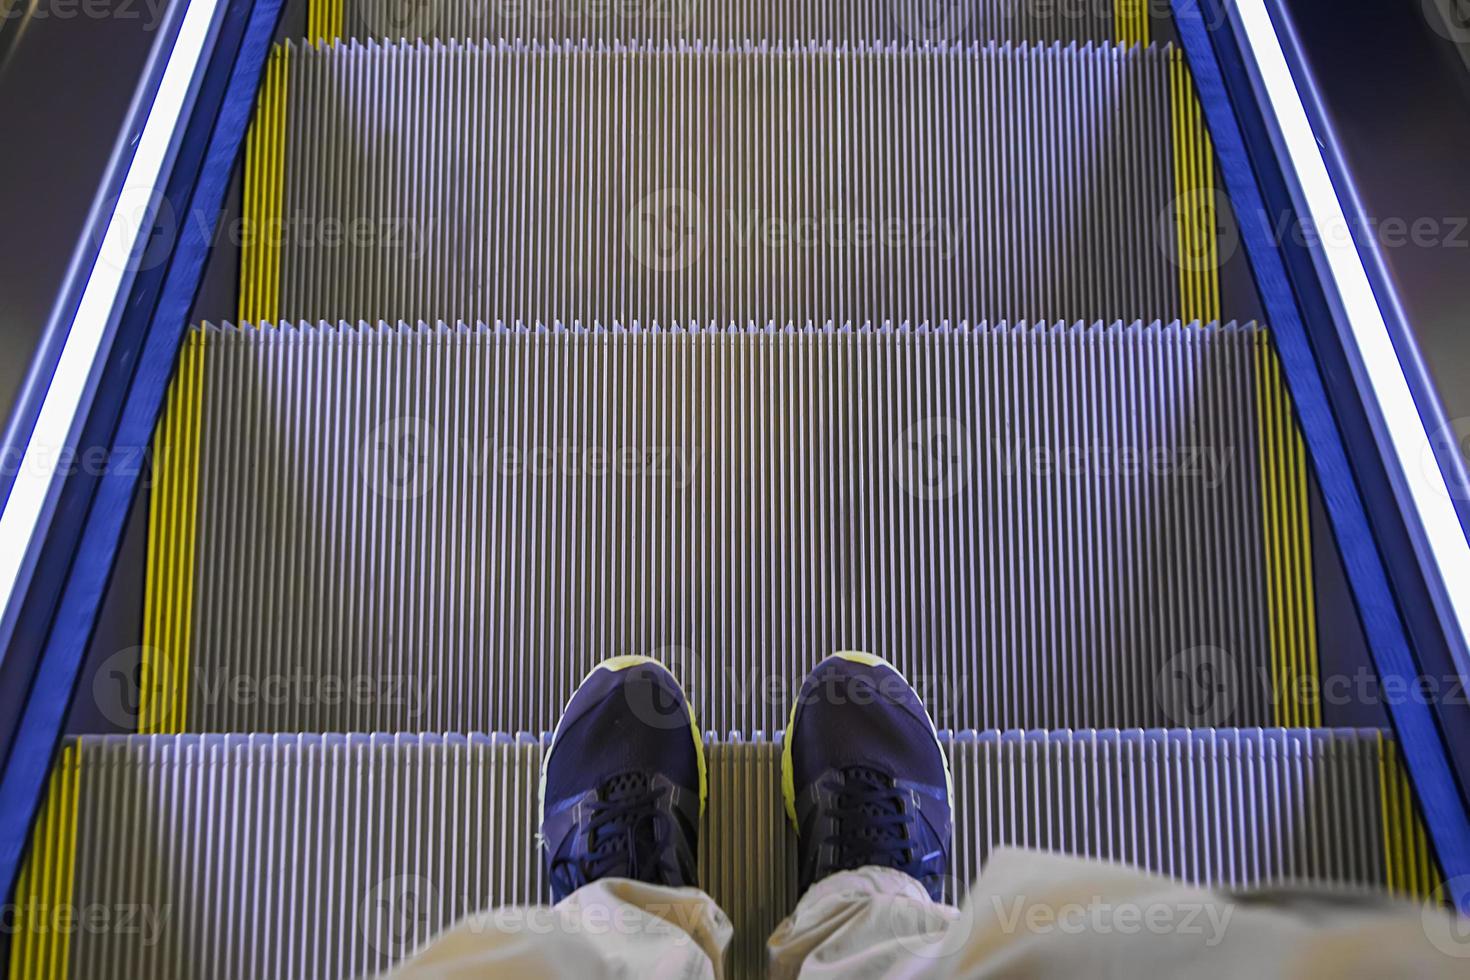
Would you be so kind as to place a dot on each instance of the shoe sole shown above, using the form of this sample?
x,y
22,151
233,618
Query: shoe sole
x,y
788,774
617,665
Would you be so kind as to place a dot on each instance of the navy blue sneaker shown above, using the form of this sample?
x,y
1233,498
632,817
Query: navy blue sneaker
x,y
865,779
623,783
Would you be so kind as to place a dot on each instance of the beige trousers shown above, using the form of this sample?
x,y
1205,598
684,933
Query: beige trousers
x,y
1029,915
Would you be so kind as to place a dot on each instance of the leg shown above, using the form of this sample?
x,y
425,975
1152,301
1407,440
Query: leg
x,y
622,790
1044,915
610,928
1047,916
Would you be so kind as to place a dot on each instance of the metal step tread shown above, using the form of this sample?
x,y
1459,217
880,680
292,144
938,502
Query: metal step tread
x,y
988,507
735,20
756,184
323,855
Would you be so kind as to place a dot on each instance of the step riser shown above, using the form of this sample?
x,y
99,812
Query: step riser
x,y
453,527
304,856
490,183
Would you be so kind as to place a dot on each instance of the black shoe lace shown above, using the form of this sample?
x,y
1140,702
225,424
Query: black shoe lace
x,y
626,834
870,821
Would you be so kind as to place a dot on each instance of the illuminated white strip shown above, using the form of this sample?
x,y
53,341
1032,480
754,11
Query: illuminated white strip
x,y
57,419
1410,441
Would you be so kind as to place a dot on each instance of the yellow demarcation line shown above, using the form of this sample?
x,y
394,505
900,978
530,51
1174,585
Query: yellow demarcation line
x,y
1130,19
1409,866
324,20
168,602
1286,531
1286,541
1194,194
265,172
44,915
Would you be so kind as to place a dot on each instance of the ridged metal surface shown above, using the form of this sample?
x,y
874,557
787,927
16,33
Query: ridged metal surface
x,y
567,184
444,529
307,856
788,21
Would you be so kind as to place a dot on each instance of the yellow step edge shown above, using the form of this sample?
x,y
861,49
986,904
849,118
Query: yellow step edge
x,y
168,597
1286,544
157,581
324,20
1269,524
1130,21
40,946
1196,221
1410,867
265,168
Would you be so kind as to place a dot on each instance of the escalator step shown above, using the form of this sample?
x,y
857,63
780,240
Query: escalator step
x,y
314,856
443,529
726,21
566,184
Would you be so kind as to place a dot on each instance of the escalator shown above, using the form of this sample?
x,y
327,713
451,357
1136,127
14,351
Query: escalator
x,y
733,336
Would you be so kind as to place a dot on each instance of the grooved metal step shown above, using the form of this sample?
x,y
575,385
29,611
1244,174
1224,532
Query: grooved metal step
x,y
695,185
733,21
307,856
444,529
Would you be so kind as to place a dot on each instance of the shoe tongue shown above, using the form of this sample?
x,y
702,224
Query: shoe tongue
x,y
862,777
626,786
634,832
